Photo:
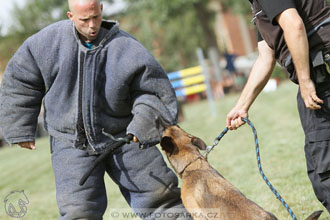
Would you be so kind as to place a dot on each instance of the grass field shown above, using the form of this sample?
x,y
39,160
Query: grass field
x,y
281,140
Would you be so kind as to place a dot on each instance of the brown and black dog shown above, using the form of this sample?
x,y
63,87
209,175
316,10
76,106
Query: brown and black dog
x,y
205,193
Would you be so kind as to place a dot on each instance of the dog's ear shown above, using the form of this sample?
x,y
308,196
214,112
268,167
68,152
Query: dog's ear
x,y
167,144
314,215
198,143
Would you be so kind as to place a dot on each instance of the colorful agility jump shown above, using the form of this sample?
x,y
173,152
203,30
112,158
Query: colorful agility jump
x,y
188,81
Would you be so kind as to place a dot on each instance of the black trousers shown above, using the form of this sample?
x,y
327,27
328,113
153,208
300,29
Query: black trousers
x,y
316,125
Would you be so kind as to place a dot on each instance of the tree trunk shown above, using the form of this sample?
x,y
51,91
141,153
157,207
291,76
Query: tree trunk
x,y
204,17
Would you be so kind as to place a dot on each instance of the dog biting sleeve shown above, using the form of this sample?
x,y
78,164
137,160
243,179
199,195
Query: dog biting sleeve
x,y
155,105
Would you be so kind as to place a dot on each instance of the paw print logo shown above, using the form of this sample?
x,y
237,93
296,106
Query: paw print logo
x,y
16,204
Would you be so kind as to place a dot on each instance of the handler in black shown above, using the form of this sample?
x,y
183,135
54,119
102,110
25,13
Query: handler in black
x,y
296,34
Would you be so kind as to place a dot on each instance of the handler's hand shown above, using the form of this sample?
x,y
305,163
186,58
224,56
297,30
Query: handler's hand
x,y
308,94
28,145
234,118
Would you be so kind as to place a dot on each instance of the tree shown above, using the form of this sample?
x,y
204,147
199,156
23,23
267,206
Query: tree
x,y
171,30
37,14
242,7
173,42
1,30
164,11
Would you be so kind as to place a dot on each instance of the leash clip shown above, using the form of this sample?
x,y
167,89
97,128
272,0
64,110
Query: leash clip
x,y
210,148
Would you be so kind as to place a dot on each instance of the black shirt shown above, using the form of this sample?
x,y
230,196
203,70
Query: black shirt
x,y
272,8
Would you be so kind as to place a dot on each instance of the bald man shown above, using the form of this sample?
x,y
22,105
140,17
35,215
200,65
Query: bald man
x,y
91,76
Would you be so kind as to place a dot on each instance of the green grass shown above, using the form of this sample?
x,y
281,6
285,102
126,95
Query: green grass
x,y
281,140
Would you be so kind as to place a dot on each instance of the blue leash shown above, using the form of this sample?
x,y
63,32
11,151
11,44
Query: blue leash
x,y
278,196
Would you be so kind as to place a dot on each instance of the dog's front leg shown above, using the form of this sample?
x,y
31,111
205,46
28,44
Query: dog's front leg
x,y
192,205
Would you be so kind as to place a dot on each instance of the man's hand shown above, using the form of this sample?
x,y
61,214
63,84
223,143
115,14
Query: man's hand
x,y
308,94
234,118
135,139
28,145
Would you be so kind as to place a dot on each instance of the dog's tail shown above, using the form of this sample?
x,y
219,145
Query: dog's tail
x,y
315,215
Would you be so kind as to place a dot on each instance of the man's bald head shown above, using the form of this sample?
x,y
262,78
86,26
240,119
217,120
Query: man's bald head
x,y
72,3
87,17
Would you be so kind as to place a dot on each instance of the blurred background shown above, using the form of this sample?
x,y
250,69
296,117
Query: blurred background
x,y
207,47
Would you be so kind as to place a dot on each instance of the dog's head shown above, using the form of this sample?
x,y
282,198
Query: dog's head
x,y
176,140
180,147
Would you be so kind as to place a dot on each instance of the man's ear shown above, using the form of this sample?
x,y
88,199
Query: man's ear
x,y
167,145
198,143
70,15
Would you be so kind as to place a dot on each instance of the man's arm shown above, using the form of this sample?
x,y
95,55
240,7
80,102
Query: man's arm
x,y
21,91
296,38
259,76
154,104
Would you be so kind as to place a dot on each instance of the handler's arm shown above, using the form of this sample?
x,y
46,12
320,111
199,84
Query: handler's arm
x,y
297,41
259,76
